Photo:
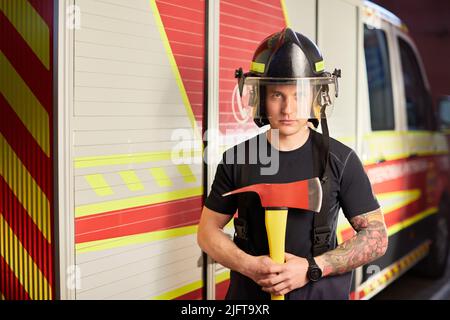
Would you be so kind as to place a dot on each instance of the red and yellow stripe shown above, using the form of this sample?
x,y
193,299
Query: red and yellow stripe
x,y
26,187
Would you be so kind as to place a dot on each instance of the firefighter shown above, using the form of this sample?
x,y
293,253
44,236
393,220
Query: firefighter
x,y
288,89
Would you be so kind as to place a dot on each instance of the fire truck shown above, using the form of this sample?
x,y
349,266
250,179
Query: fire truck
x,y
112,114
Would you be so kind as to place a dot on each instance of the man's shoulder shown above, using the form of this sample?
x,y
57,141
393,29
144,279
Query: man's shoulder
x,y
339,151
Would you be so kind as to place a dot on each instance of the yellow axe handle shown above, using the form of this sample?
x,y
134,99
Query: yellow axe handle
x,y
276,235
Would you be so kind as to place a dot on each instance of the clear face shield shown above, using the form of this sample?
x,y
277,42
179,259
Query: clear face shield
x,y
289,98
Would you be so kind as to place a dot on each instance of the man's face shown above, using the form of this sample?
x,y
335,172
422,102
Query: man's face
x,y
281,107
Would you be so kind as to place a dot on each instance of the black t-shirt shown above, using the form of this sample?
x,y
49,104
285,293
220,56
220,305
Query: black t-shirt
x,y
350,189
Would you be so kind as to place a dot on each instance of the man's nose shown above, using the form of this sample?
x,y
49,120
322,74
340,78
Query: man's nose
x,y
289,106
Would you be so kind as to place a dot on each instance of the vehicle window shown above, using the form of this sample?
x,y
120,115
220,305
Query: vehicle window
x,y
418,102
379,79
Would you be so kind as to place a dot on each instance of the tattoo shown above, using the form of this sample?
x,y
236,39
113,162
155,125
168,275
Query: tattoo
x,y
368,244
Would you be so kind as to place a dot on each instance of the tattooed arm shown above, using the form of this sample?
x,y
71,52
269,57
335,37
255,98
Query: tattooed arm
x,y
368,244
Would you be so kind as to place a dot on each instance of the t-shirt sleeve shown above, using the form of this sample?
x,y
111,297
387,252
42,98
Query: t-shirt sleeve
x,y
356,195
223,183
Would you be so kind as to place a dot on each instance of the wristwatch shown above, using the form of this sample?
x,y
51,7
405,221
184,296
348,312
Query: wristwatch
x,y
314,272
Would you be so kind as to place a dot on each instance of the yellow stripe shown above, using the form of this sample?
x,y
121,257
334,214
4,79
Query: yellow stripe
x,y
406,197
285,13
223,276
99,184
131,179
393,271
2,297
175,70
100,245
257,67
190,287
179,291
161,177
409,196
25,188
186,172
119,159
30,25
410,221
136,201
25,104
38,287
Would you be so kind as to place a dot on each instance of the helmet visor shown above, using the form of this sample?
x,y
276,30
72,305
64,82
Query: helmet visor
x,y
289,98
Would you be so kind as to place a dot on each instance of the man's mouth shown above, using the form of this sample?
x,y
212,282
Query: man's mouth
x,y
287,122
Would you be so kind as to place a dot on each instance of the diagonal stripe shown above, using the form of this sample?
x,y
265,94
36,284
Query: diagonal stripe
x,y
132,180
31,27
106,206
25,104
175,69
34,200
186,172
285,13
410,221
99,184
161,177
37,278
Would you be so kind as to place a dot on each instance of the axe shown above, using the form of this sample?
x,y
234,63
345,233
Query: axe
x,y
276,198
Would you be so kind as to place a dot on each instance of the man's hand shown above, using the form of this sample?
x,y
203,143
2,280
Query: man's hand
x,y
284,278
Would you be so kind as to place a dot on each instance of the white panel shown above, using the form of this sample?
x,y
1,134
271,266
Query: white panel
x,y
338,41
128,102
302,16
125,273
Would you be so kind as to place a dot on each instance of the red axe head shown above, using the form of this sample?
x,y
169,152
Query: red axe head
x,y
304,194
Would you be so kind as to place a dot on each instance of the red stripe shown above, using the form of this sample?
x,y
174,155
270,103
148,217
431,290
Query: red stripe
x,y
10,286
25,230
26,63
184,23
243,25
138,220
45,10
221,289
190,10
25,147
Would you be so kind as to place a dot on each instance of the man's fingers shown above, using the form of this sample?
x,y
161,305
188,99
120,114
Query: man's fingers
x,y
272,280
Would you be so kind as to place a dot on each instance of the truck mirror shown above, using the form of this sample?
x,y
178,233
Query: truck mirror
x,y
444,113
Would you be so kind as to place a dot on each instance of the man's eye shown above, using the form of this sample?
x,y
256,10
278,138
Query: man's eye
x,y
276,95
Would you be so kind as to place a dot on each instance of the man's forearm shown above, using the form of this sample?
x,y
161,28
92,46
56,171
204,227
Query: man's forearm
x,y
368,244
222,249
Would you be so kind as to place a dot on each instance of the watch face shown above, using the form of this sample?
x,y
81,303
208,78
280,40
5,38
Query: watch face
x,y
315,274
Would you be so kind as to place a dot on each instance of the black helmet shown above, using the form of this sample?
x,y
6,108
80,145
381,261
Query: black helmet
x,y
283,57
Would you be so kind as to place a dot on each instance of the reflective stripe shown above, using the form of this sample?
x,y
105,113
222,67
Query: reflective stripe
x,y
25,104
119,159
131,180
30,277
376,283
175,70
31,27
161,177
106,206
99,184
285,14
135,239
410,221
186,172
34,201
